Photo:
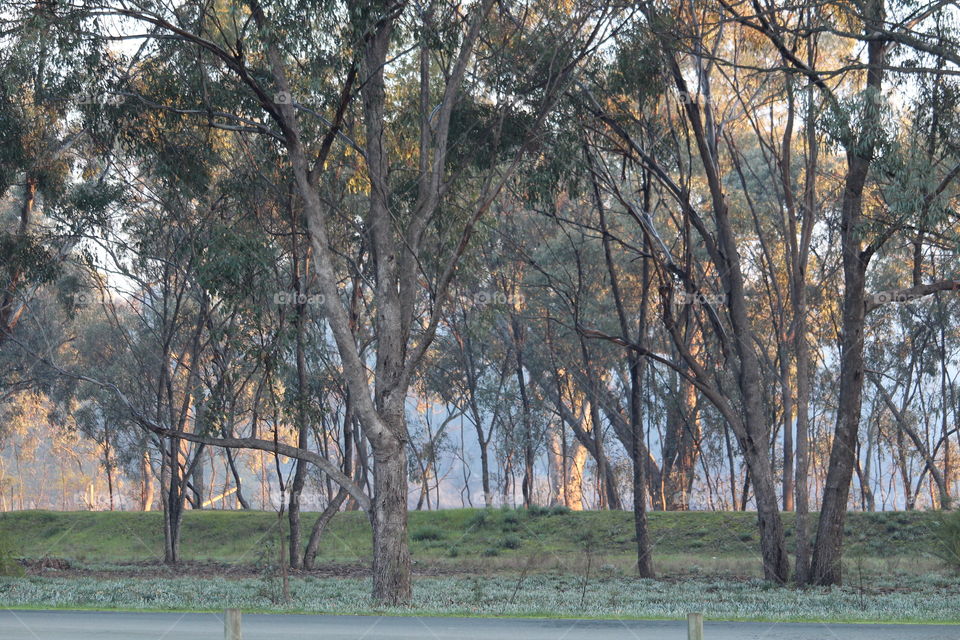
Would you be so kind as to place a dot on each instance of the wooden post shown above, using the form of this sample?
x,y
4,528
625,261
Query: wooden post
x,y
694,626
231,625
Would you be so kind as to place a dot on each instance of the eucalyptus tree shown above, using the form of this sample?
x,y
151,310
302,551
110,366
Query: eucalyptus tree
x,y
690,196
737,168
51,182
909,355
157,318
902,44
253,70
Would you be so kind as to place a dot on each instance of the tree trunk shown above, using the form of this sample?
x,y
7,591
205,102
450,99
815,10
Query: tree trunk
x,y
485,470
172,503
236,479
644,548
826,568
787,424
391,552
310,553
772,547
573,491
316,534
518,340
300,475
555,465
680,447
798,296
146,482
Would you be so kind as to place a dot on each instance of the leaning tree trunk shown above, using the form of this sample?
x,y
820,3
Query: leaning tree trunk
x,y
752,430
320,525
772,546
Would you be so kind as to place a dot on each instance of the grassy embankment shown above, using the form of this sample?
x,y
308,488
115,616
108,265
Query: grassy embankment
x,y
459,538
477,562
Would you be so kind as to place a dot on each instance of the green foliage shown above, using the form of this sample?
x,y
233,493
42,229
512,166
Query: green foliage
x,y
231,261
426,533
946,539
481,135
480,518
511,542
87,203
27,256
9,566
639,70
535,511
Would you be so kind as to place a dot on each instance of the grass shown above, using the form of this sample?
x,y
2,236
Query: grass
x,y
499,562
946,539
467,538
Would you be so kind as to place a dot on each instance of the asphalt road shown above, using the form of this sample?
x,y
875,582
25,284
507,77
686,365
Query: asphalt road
x,y
90,625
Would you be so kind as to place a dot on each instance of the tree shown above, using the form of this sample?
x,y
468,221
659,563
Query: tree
x,y
252,50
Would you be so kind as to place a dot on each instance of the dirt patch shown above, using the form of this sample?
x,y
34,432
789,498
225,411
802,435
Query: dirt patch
x,y
45,564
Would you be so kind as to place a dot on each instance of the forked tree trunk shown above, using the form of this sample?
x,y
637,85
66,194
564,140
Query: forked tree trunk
x,y
798,295
826,569
752,428
319,526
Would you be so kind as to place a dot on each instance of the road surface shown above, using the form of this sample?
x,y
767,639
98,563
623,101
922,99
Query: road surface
x,y
93,625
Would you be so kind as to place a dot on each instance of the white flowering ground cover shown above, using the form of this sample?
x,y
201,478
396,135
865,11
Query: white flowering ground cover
x,y
931,598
